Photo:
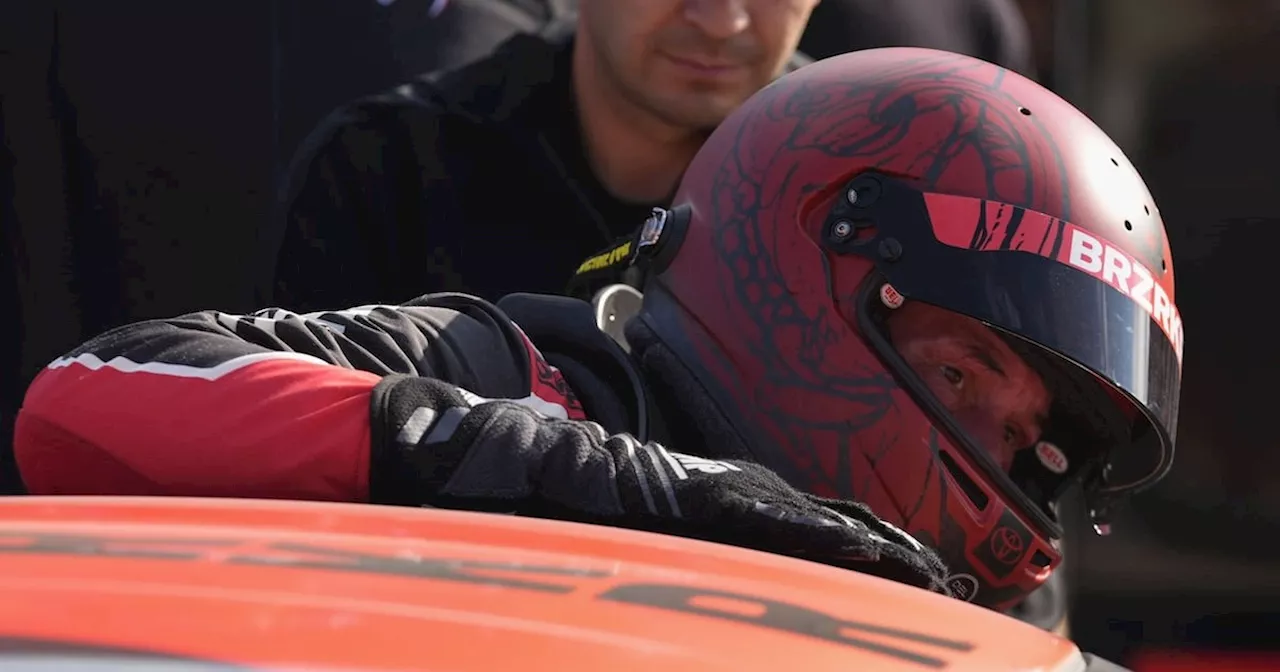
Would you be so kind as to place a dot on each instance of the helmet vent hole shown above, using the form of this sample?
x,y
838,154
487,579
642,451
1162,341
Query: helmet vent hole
x,y
1164,266
1128,226
1146,210
1025,112
1114,162
962,480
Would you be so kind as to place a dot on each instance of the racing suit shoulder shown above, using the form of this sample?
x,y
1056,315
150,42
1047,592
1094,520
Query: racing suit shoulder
x,y
272,404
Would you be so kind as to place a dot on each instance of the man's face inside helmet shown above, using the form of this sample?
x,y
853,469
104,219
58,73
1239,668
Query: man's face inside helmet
x,y
991,392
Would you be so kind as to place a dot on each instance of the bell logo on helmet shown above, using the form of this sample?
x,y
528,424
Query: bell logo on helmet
x,y
963,586
1120,270
891,297
1052,457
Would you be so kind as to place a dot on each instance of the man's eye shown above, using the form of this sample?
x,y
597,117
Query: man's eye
x,y
1010,435
953,375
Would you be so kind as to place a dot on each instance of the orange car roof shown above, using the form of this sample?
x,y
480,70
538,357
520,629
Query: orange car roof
x,y
265,584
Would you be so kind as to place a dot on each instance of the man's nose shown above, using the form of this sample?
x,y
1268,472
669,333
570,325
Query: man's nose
x,y
718,19
987,433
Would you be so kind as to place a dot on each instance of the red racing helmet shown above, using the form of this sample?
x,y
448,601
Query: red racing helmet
x,y
877,180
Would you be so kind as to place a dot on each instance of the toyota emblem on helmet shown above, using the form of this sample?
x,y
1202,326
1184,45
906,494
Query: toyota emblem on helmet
x,y
1007,545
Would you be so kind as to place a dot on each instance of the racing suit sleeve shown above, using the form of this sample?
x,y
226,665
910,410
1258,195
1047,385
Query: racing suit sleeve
x,y
443,403
270,405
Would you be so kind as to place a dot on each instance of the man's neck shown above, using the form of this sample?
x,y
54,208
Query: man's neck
x,y
637,157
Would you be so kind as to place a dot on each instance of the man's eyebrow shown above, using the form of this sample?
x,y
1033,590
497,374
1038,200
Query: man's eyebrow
x,y
984,357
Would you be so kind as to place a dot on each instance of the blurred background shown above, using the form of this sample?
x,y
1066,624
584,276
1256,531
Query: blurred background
x,y
143,143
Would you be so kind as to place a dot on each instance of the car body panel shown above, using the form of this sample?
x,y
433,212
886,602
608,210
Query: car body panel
x,y
269,584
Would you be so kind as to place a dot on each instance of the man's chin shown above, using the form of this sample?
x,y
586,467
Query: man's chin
x,y
698,113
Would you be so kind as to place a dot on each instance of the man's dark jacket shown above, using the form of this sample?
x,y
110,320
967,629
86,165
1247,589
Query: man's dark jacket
x,y
471,180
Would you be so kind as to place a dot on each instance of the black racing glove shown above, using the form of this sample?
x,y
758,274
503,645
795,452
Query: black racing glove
x,y
745,504
442,446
